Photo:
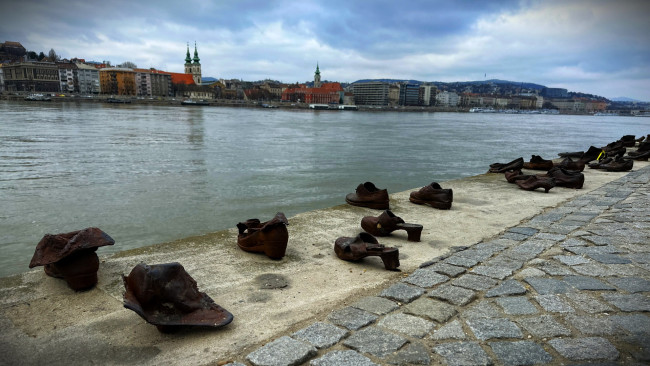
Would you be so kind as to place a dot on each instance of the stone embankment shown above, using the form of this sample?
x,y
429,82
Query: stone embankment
x,y
506,277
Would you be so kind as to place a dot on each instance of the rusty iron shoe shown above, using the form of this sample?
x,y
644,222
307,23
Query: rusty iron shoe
x,y
368,195
387,222
72,256
619,165
600,164
268,237
571,164
166,296
514,175
433,195
566,178
503,167
365,245
628,140
643,147
642,156
535,182
537,163
592,154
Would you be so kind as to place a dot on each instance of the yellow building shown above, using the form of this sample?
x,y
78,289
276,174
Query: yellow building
x,y
117,81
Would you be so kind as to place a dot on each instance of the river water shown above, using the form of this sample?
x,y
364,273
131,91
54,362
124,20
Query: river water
x,y
149,174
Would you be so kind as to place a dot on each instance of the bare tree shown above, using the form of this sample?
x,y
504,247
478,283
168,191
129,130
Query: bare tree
x,y
128,64
52,55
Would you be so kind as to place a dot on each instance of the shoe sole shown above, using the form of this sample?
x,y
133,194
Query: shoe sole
x,y
376,206
438,205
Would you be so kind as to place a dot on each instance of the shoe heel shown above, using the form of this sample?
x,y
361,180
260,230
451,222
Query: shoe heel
x,y
390,259
81,282
275,249
414,233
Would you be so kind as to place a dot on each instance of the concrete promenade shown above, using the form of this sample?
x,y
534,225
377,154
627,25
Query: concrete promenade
x,y
569,286
506,277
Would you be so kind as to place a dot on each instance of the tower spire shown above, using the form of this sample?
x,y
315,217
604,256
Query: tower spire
x,y
187,55
196,54
317,83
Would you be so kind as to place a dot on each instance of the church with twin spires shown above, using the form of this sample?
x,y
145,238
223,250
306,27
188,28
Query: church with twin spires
x,y
192,65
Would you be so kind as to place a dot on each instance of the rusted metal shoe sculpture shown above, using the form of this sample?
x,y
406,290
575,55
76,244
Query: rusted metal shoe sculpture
x,y
616,148
592,154
433,195
366,245
514,175
503,167
619,165
571,164
566,178
537,163
642,156
628,140
535,182
387,222
268,237
166,296
368,195
600,164
641,151
72,256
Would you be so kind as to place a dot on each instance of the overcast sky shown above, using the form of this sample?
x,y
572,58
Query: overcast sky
x,y
593,46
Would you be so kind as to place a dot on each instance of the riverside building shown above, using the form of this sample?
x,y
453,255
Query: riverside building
x,y
371,93
321,93
31,77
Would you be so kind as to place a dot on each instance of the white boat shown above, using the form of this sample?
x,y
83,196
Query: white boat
x,y
319,106
195,102
38,97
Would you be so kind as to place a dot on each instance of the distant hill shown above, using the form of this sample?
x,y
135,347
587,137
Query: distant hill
x,y
625,99
522,85
389,81
208,79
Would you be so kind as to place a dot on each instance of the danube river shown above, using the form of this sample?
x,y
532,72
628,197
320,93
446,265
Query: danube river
x,y
150,174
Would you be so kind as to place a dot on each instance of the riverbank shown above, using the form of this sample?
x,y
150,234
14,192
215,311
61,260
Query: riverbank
x,y
45,322
237,103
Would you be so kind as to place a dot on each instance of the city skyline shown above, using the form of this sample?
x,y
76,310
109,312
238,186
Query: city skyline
x,y
597,47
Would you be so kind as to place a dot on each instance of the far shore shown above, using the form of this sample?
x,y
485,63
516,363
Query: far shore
x,y
237,103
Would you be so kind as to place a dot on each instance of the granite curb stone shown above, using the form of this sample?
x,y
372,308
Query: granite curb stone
x,y
375,342
463,354
351,318
282,351
321,335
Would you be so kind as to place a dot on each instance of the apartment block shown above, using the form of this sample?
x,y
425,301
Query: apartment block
x,y
31,77
371,93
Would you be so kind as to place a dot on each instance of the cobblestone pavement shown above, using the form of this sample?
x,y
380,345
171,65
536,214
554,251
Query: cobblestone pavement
x,y
571,286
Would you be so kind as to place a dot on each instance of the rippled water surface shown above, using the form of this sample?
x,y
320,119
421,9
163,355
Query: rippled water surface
x,y
149,174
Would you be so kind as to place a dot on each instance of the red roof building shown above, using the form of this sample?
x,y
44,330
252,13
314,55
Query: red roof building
x,y
327,93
